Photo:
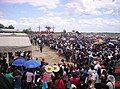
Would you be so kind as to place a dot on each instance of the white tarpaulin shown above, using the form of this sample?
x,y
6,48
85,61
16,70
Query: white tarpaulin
x,y
14,43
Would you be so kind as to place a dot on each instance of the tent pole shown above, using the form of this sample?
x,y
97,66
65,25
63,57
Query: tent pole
x,y
7,59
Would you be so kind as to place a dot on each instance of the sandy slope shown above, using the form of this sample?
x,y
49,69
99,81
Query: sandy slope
x,y
49,55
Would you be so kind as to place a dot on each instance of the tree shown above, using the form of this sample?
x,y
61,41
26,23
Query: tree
x,y
27,31
64,32
77,32
10,27
48,28
6,27
2,26
73,31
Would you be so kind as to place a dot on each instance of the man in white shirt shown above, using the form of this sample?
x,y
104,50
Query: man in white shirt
x,y
97,65
111,82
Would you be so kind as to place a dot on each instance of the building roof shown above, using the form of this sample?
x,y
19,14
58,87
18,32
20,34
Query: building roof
x,y
8,30
13,34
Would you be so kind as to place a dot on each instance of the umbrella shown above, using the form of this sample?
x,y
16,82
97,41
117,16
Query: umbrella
x,y
32,64
19,61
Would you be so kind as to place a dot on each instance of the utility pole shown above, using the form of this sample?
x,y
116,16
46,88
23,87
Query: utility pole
x,y
39,28
53,28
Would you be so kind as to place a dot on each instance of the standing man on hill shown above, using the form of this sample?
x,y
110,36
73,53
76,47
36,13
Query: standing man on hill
x,y
40,43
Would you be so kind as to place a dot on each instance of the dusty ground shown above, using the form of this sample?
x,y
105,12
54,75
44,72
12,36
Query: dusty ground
x,y
49,55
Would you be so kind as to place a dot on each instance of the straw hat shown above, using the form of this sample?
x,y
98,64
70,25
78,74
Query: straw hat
x,y
48,68
56,68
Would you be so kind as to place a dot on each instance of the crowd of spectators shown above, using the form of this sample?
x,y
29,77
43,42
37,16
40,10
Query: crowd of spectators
x,y
93,59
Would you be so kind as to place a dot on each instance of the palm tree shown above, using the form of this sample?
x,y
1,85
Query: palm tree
x,y
2,26
10,27
48,28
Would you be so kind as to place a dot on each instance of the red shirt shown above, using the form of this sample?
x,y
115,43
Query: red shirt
x,y
60,84
74,81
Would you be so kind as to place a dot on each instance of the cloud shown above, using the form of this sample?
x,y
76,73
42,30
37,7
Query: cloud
x,y
49,4
100,22
60,23
57,14
94,7
7,22
1,14
35,22
51,20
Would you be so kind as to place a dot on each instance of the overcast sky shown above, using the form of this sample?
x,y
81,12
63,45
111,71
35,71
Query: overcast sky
x,y
81,15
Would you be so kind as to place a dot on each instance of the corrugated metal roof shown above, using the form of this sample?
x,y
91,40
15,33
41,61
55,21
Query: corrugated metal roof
x,y
13,34
8,30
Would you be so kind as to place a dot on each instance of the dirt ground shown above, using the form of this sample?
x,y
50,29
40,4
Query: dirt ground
x,y
49,55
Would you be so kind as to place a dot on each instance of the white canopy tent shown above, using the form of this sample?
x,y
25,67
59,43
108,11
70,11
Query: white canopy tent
x,y
14,42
